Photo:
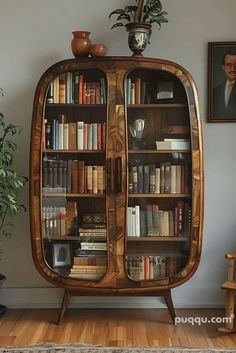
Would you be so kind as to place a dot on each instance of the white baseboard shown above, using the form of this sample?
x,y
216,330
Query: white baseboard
x,y
51,297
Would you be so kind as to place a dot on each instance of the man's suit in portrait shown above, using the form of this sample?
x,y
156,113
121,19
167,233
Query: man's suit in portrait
x,y
219,108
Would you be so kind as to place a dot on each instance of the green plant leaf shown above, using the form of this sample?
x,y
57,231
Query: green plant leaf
x,y
123,16
118,24
116,12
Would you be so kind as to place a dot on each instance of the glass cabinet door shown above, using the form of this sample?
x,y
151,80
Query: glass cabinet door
x,y
159,175
73,205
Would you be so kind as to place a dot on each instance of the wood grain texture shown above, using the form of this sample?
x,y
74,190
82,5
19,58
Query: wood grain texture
x,y
116,281
113,327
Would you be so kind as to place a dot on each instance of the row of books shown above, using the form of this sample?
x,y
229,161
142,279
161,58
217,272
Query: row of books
x,y
167,178
138,268
74,135
72,176
73,87
139,91
155,222
152,267
59,220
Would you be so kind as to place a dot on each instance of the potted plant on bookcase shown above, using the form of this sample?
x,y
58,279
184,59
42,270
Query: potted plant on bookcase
x,y
10,183
139,18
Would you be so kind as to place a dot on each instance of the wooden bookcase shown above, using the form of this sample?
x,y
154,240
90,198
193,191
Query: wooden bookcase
x,y
112,212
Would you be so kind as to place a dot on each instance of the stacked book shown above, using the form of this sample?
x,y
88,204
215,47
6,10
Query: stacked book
x,y
80,135
73,87
173,144
90,261
88,268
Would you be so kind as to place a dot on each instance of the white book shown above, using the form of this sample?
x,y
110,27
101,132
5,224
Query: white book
x,y
176,140
133,221
173,145
93,246
65,136
80,135
137,221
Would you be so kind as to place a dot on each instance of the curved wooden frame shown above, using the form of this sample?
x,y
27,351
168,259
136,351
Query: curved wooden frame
x,y
115,281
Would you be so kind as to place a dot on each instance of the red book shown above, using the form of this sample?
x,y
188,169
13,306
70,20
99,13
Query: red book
x,y
146,267
84,92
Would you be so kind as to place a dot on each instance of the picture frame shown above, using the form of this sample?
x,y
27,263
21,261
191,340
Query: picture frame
x,y
221,82
61,254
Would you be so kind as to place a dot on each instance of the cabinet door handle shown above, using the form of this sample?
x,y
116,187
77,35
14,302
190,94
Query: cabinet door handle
x,y
109,176
118,175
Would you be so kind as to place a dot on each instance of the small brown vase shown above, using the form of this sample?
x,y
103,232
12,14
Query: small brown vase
x,y
80,43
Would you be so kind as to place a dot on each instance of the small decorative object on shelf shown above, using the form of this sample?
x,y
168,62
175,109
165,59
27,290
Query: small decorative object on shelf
x,y
137,132
80,43
97,50
139,20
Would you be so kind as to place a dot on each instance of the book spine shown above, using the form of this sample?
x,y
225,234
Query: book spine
x,y
80,135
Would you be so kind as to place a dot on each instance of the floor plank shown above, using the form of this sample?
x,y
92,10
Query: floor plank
x,y
110,327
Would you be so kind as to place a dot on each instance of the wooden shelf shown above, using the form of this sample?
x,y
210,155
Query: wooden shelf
x,y
73,151
159,195
74,105
160,105
157,151
152,238
63,194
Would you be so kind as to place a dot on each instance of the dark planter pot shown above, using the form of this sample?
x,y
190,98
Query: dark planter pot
x,y
3,308
139,36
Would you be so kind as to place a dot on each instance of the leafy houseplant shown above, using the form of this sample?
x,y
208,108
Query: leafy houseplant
x,y
10,180
138,20
10,183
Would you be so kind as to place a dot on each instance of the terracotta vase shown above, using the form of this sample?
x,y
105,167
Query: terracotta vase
x,y
80,43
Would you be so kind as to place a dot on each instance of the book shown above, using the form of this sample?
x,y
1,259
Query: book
x,y
80,135
173,145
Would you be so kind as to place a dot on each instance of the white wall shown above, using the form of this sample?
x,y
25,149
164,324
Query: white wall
x,y
34,34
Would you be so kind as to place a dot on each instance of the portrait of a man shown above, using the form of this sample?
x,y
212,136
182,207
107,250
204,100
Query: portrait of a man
x,y
222,82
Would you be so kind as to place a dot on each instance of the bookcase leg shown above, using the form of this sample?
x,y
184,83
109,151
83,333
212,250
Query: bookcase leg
x,y
64,304
169,303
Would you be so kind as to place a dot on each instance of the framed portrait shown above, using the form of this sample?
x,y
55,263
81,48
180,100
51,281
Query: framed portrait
x,y
61,254
221,82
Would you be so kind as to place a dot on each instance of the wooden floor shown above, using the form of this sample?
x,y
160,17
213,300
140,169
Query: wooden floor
x,y
120,327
